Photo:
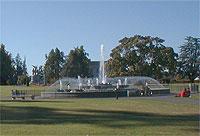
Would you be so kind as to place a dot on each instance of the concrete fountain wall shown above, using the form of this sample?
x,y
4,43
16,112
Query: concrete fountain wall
x,y
100,94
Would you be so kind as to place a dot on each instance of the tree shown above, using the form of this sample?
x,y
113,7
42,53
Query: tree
x,y
18,65
11,69
189,58
77,63
20,70
24,68
23,80
53,65
6,66
38,75
141,56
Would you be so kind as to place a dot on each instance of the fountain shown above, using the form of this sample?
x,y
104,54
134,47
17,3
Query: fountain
x,y
125,81
102,77
68,87
103,86
79,83
89,83
119,82
61,86
97,81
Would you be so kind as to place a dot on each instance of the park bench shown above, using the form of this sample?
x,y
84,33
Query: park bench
x,y
21,94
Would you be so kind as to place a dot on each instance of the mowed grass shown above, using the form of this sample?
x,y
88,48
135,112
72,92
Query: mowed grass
x,y
106,117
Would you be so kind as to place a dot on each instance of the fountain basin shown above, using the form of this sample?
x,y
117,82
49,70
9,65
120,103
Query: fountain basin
x,y
96,94
102,93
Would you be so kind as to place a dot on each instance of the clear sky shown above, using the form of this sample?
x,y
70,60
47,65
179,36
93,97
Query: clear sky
x,y
34,28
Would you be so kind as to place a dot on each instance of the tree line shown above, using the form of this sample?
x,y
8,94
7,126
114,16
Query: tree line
x,y
148,56
133,56
13,70
75,64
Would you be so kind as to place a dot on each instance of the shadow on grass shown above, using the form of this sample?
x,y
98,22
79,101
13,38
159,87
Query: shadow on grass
x,y
105,118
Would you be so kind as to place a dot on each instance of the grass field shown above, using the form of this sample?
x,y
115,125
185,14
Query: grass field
x,y
107,116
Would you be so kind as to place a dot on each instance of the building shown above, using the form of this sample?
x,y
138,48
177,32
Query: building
x,y
94,68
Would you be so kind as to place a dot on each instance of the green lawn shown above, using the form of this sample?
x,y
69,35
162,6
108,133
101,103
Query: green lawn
x,y
131,116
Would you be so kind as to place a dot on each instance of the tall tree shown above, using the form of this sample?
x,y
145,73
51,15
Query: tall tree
x,y
18,65
20,70
38,75
189,58
24,68
142,55
77,63
53,65
6,66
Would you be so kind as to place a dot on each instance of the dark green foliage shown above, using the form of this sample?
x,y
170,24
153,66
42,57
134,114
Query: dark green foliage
x,y
53,65
189,58
23,80
6,67
20,75
24,68
38,74
142,56
12,70
18,66
77,63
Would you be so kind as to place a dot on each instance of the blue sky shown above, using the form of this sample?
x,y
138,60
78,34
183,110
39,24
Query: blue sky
x,y
34,28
